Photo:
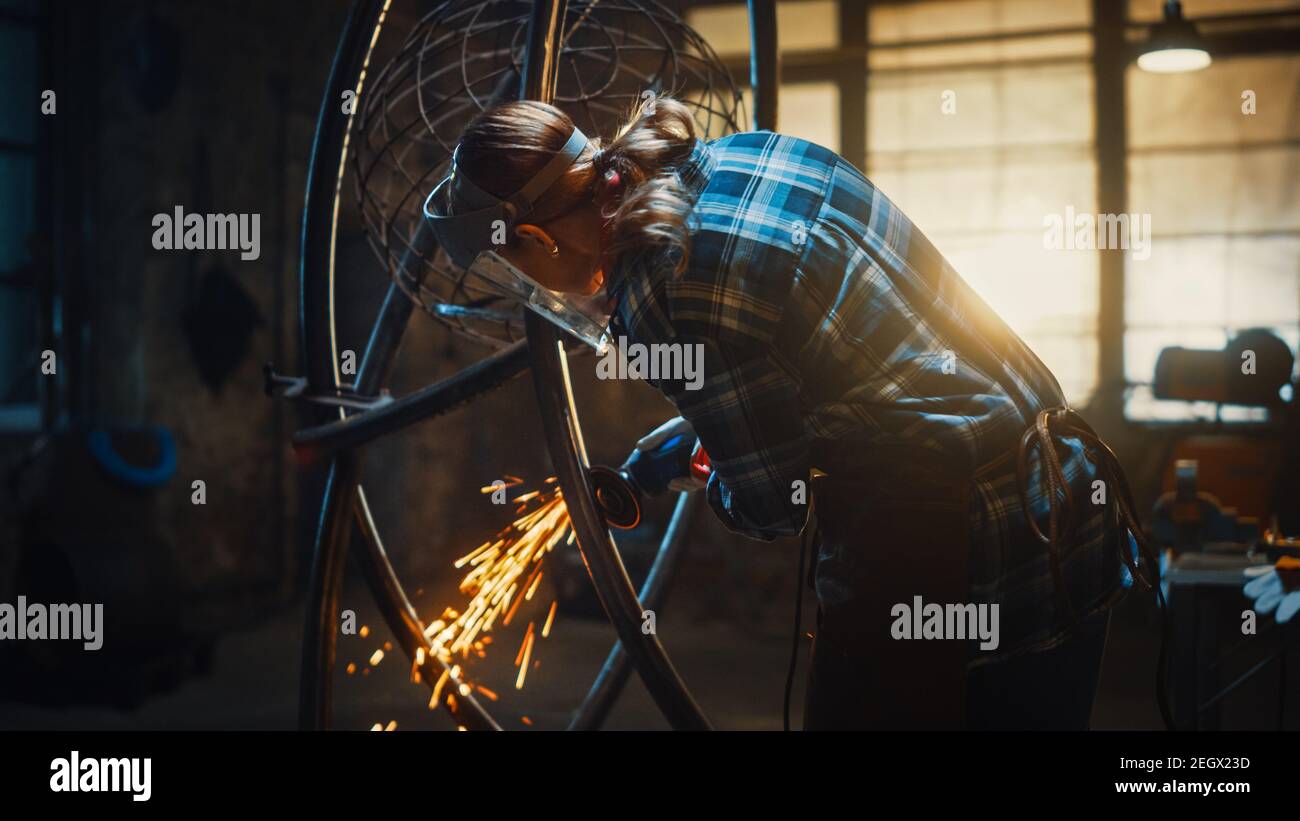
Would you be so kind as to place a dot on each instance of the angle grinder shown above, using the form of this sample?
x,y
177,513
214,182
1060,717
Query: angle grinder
x,y
619,491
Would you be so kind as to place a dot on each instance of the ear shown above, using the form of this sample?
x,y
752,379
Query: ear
x,y
528,231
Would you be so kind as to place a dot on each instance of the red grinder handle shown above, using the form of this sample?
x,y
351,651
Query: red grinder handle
x,y
701,467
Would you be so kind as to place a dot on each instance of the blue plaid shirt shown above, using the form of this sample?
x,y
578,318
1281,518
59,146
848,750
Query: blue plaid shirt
x,y
791,292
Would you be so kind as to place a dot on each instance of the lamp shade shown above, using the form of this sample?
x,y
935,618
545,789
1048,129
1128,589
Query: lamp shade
x,y
1174,45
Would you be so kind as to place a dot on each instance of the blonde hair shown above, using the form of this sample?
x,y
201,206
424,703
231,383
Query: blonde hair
x,y
505,146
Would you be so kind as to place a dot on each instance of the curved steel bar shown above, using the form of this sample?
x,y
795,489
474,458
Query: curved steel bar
x,y
604,566
593,711
320,348
764,80
320,638
564,437
316,309
359,428
764,63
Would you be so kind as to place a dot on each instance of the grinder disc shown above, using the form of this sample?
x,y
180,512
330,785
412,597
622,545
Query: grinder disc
x,y
617,498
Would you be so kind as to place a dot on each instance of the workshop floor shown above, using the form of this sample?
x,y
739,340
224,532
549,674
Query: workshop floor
x,y
254,681
737,675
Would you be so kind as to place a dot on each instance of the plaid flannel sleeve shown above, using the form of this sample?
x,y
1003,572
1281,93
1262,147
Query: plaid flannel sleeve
x,y
746,413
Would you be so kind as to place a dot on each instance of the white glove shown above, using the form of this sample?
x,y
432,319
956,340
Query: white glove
x,y
1269,595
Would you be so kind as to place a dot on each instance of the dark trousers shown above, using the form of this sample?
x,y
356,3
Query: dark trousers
x,y
1050,690
885,538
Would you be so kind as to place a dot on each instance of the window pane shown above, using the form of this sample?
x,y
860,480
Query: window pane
x,y
1204,108
935,19
1220,186
800,26
810,111
1054,47
991,108
980,182
1221,191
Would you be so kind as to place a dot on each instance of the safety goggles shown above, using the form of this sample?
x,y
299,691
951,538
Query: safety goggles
x,y
470,224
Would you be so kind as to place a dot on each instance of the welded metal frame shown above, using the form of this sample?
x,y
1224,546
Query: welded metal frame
x,y
341,435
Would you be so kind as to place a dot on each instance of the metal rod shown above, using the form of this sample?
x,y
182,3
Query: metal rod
x,y
359,428
559,418
764,63
316,255
321,635
604,566
604,692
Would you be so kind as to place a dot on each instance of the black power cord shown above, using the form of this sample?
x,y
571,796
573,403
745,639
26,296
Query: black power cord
x,y
806,539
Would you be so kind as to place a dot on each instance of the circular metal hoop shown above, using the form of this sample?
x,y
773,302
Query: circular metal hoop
x,y
344,499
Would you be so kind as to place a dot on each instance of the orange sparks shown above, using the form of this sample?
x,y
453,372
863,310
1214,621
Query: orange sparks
x,y
528,654
416,664
436,699
501,573
550,619
509,481
527,635
532,588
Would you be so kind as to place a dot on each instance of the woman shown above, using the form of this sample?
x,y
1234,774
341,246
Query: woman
x,y
836,340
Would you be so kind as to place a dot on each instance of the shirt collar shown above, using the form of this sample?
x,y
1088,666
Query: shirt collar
x,y
698,168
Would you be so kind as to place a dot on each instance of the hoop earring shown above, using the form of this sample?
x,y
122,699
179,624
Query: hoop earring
x,y
554,250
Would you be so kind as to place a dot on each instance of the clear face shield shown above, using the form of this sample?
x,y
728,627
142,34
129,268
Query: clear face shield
x,y
586,317
465,219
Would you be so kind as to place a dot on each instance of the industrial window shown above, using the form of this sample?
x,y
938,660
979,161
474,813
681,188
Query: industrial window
x,y
808,110
980,123
1220,186
801,25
